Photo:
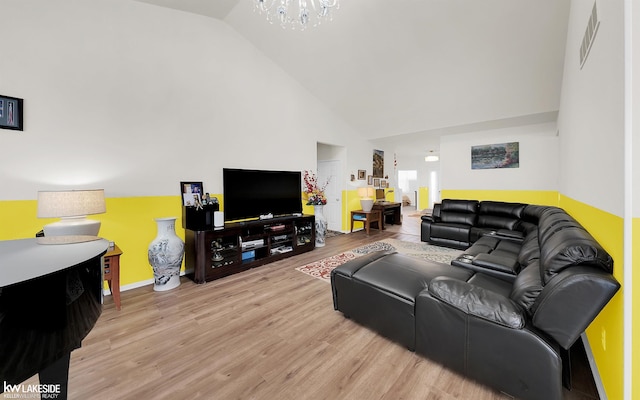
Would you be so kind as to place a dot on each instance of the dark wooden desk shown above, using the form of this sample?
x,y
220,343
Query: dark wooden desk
x,y
112,273
391,210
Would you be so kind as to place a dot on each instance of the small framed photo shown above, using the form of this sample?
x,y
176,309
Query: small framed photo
x,y
191,194
383,183
11,113
369,179
376,182
362,174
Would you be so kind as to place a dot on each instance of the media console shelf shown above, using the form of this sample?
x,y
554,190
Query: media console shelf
x,y
213,254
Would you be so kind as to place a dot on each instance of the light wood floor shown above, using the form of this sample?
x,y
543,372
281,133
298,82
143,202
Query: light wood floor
x,y
268,333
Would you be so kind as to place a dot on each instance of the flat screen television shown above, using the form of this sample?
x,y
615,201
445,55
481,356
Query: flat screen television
x,y
251,193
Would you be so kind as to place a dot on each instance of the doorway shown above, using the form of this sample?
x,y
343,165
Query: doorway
x,y
330,171
408,185
434,188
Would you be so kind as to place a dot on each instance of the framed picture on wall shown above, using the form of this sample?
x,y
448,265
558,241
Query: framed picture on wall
x,y
191,194
370,180
378,163
376,182
11,113
383,183
500,155
361,174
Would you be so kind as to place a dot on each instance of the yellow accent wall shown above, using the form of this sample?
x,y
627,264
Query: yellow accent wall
x,y
350,201
542,197
423,198
18,219
635,324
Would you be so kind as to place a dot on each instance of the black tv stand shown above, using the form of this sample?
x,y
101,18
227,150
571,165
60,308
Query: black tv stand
x,y
213,254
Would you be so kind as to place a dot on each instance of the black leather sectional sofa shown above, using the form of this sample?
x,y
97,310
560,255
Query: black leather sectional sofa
x,y
506,312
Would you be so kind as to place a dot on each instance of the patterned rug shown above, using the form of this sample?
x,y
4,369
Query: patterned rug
x,y
321,269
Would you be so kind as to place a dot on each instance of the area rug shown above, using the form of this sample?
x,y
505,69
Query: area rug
x,y
321,269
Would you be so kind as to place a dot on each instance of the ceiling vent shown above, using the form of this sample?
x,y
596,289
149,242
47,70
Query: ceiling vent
x,y
589,35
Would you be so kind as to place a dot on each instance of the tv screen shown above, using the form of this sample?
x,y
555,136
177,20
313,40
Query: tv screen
x,y
252,193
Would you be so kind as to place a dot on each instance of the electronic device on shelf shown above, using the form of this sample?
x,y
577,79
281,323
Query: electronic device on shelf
x,y
252,243
276,227
281,249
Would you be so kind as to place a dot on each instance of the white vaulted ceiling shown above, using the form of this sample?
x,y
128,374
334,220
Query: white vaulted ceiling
x,y
418,67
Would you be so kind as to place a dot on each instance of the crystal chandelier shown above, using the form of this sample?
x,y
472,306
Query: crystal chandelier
x,y
297,13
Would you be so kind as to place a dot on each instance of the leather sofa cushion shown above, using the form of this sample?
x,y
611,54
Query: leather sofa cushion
x,y
498,208
462,212
461,206
451,231
569,247
488,241
497,263
405,276
497,222
453,217
477,301
549,226
527,286
530,249
508,246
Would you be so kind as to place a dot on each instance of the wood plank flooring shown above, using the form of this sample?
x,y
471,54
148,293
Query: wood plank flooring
x,y
267,333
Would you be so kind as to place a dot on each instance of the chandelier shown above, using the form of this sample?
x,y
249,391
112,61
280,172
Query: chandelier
x,y
297,14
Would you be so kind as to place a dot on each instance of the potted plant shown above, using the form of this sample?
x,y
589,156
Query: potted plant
x,y
314,194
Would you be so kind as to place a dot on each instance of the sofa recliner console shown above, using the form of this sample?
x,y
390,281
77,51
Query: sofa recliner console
x,y
511,329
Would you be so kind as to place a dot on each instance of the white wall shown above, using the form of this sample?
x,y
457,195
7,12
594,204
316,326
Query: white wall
x,y
591,119
635,90
538,160
135,98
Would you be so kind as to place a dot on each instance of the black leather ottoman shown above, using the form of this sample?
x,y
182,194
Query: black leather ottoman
x,y
378,290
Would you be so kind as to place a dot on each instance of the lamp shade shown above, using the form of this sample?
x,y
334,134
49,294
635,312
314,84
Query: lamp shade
x,y
366,198
72,206
70,203
366,192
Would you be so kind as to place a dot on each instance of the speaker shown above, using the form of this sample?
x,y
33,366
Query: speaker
x,y
218,219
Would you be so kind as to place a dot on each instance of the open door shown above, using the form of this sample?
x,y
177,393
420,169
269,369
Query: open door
x,y
331,170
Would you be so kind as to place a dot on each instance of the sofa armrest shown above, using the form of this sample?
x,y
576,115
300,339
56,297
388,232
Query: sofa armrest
x,y
571,301
497,263
436,211
476,301
428,218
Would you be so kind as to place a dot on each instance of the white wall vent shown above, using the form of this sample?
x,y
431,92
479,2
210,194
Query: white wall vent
x,y
589,35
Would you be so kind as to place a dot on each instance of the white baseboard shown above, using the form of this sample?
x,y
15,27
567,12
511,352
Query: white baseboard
x,y
136,285
594,368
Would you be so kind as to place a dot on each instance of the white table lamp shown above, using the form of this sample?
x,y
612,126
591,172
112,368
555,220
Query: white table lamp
x,y
366,198
72,206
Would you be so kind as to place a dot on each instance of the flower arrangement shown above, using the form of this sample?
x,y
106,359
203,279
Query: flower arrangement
x,y
314,193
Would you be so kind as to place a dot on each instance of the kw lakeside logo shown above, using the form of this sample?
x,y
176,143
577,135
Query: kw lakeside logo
x,y
50,391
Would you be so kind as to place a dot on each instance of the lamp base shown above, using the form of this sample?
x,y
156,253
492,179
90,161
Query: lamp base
x,y
74,226
366,204
67,239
